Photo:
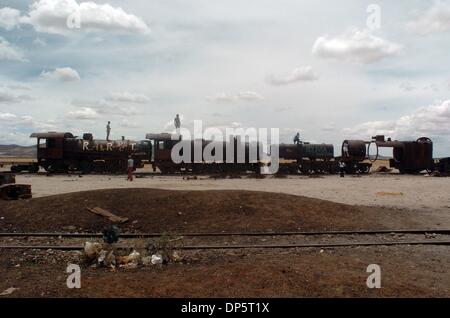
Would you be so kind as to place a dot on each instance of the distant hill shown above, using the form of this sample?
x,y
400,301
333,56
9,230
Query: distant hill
x,y
17,151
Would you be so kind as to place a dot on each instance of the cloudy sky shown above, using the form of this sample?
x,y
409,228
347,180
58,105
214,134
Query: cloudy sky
x,y
330,71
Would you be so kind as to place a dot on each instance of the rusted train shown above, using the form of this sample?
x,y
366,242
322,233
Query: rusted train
x,y
408,156
64,152
226,156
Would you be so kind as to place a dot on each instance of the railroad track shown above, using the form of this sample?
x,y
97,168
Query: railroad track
x,y
247,246
200,234
202,246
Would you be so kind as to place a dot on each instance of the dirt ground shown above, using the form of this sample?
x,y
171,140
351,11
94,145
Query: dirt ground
x,y
414,192
151,210
341,272
407,271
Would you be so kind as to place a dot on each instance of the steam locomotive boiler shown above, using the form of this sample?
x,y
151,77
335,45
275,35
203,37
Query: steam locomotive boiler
x,y
64,152
408,156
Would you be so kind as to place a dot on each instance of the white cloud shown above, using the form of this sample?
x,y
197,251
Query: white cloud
x,y
106,109
15,138
18,127
50,16
436,19
407,87
9,52
355,46
39,42
5,117
431,87
9,18
7,96
428,121
9,119
127,97
19,86
300,74
125,123
65,74
103,107
241,96
83,113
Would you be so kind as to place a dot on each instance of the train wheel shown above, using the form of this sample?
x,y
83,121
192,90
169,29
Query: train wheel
x,y
86,167
57,168
35,168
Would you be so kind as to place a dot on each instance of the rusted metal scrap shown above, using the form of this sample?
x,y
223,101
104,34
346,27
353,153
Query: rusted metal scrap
x,y
7,178
10,190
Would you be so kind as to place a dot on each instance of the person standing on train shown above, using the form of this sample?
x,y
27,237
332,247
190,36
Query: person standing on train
x,y
108,130
130,166
297,139
177,123
342,166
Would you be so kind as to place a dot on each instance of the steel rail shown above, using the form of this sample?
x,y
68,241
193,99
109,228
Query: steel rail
x,y
250,246
200,234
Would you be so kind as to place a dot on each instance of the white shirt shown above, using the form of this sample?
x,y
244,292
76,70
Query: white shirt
x,y
130,163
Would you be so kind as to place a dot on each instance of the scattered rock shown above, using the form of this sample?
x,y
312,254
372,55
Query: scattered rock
x,y
156,259
147,260
92,250
132,265
176,257
8,291
134,257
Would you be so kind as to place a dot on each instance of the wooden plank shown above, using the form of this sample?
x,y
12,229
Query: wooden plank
x,y
105,213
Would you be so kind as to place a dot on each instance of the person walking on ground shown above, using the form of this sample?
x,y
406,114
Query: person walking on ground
x,y
108,130
345,149
341,169
177,123
130,166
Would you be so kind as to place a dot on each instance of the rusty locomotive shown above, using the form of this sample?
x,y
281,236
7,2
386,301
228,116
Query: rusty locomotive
x,y
408,156
64,152
302,158
243,156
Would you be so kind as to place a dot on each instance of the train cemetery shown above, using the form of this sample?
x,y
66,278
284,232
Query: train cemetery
x,y
72,224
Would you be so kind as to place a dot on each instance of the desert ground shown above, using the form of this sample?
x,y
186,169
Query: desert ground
x,y
383,190
174,205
